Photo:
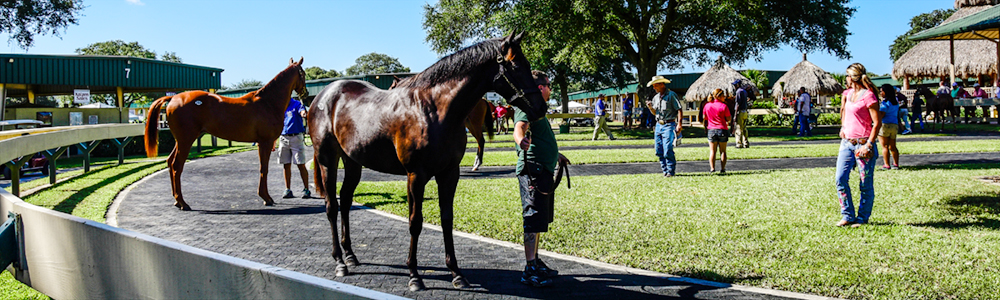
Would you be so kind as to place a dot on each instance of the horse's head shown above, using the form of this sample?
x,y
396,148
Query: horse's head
x,y
513,80
300,79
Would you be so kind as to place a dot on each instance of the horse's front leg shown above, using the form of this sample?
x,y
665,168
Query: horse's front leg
x,y
447,183
264,153
415,197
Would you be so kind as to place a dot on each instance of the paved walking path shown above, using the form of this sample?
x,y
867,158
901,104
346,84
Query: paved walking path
x,y
229,218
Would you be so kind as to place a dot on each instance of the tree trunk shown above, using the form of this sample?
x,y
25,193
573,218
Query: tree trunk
x,y
563,92
646,74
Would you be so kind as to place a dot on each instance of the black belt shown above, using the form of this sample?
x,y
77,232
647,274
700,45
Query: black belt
x,y
666,121
291,134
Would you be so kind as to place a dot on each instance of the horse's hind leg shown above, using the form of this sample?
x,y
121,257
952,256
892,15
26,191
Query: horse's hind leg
x,y
264,153
478,134
176,163
330,185
352,176
447,183
415,198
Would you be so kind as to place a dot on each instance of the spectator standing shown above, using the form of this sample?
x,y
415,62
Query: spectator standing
x,y
889,110
666,105
291,147
904,112
742,109
601,118
977,93
861,122
537,157
627,111
717,116
804,108
917,113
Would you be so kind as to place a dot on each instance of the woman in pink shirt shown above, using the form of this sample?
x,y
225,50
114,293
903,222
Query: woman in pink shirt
x,y
860,123
718,117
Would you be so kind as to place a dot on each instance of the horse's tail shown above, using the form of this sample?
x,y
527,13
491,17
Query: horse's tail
x,y
152,126
489,119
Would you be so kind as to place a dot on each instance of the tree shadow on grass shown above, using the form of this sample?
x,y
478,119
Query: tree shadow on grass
x,y
967,211
70,203
387,199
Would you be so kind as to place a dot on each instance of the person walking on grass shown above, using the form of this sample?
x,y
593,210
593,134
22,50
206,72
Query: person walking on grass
x,y
917,113
742,110
803,108
717,116
666,106
859,116
601,118
889,110
291,147
537,156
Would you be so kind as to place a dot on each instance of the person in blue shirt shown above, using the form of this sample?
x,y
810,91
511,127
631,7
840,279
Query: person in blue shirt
x,y
601,118
291,147
889,110
627,111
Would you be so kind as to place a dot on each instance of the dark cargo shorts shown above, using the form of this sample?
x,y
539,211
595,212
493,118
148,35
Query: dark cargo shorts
x,y
536,198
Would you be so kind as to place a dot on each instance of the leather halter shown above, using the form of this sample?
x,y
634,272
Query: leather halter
x,y
518,93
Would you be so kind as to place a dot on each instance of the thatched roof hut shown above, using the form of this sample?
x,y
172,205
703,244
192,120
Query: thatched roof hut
x,y
806,74
720,76
932,58
968,3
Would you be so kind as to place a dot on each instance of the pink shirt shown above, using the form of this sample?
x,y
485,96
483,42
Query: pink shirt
x,y
857,122
716,113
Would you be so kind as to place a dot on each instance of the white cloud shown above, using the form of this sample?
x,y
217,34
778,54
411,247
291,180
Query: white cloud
x,y
136,2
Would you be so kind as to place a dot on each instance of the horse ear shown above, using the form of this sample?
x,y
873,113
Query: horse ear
x,y
518,37
301,59
291,61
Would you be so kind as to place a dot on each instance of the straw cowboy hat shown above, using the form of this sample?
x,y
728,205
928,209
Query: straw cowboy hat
x,y
658,79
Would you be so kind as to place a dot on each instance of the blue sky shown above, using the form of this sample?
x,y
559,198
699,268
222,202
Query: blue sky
x,y
253,39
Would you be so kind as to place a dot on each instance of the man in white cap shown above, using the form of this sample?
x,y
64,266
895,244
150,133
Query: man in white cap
x,y
667,108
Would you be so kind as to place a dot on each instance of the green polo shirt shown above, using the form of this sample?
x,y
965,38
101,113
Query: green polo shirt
x,y
543,149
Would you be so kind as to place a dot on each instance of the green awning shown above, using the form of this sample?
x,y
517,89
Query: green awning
x,y
978,26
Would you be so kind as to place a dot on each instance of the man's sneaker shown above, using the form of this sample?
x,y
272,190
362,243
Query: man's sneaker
x,y
306,194
534,277
288,194
550,272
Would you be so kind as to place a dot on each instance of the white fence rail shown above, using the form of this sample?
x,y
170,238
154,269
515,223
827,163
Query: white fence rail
x,y
67,257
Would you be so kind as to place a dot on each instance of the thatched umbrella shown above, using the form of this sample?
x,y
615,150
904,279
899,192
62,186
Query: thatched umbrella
x,y
720,76
932,58
806,74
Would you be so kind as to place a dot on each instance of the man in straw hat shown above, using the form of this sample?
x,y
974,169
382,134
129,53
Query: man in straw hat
x,y
601,118
667,108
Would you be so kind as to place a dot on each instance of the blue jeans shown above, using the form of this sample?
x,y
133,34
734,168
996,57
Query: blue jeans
x,y
664,138
804,129
846,161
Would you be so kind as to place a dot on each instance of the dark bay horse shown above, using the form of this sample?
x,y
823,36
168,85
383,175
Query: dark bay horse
x,y
938,106
256,117
480,116
415,130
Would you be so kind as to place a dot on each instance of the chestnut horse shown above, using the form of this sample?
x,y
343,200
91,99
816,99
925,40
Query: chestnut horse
x,y
938,106
415,129
256,117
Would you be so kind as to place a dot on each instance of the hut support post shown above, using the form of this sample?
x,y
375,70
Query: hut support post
x,y
951,47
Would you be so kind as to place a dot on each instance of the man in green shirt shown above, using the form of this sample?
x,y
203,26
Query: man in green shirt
x,y
537,156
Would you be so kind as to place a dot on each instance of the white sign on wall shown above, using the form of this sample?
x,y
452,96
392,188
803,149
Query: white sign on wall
x,y
81,96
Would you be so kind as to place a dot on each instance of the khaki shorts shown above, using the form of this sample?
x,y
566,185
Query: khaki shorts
x,y
291,149
889,131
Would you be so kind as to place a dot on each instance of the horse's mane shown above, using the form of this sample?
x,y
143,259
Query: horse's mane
x,y
281,75
456,64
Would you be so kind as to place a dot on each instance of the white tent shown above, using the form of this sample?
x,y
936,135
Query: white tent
x,y
574,104
97,105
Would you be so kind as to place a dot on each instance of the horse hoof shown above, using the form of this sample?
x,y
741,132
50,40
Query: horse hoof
x,y
341,270
416,285
352,260
268,203
183,207
476,168
460,282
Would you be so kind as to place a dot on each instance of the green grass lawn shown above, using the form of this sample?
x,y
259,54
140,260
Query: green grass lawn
x,y
89,195
935,231
626,155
